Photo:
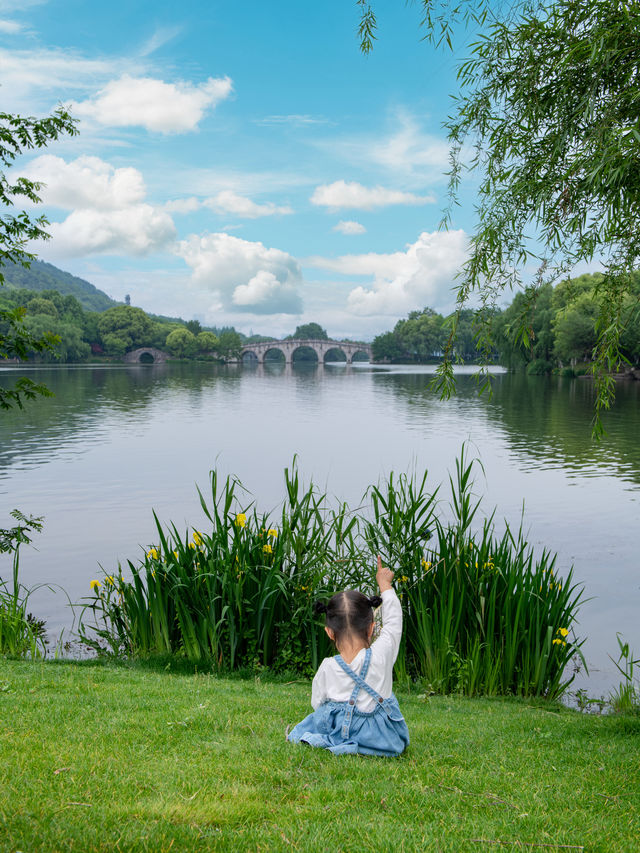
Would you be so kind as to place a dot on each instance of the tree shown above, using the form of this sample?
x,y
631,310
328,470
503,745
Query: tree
x,y
181,342
575,329
549,108
421,334
387,347
38,305
124,328
229,344
310,332
19,134
207,342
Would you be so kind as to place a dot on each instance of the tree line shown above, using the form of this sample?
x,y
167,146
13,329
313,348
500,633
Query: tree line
x,y
81,334
559,330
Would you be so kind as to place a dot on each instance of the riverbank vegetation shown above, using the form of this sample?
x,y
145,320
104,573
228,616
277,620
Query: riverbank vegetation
x,y
107,757
558,331
483,613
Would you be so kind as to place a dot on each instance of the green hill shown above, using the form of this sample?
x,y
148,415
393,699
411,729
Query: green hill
x,y
43,276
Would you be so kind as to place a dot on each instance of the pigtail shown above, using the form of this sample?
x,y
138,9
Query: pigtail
x,y
375,601
319,607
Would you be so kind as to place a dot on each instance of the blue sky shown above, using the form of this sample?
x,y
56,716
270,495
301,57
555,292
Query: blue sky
x,y
242,163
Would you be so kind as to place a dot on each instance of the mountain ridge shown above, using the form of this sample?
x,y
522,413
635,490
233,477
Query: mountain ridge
x,y
44,276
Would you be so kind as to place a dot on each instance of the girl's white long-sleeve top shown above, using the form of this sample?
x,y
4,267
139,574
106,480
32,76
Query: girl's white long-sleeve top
x,y
331,682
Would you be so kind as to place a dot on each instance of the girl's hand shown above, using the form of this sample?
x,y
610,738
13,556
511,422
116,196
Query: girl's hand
x,y
384,576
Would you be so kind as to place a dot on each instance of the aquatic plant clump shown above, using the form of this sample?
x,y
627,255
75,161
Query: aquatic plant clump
x,y
483,614
21,633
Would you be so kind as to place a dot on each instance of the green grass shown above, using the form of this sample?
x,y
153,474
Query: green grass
x,y
104,757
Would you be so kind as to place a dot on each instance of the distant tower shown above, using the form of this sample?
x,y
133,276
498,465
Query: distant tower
x,y
127,300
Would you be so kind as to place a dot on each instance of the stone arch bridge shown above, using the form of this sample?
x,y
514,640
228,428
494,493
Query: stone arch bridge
x,y
321,348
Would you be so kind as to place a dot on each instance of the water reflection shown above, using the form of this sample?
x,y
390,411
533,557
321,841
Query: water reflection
x,y
545,421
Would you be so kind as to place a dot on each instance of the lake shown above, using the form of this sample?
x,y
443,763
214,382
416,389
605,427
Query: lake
x,y
117,441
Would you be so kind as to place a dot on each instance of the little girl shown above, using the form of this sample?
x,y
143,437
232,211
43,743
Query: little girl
x,y
354,706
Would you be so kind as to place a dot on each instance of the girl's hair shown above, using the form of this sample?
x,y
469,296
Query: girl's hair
x,y
348,613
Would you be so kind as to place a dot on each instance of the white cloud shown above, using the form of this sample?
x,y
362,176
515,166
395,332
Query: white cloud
x,y
404,281
411,155
154,104
409,149
183,205
137,230
261,289
294,120
229,201
19,5
159,38
10,27
46,71
348,226
244,275
109,214
85,182
352,194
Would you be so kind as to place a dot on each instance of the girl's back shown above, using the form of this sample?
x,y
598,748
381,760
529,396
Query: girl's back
x,y
332,683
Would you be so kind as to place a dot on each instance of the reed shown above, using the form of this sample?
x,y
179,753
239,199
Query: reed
x,y
21,634
483,613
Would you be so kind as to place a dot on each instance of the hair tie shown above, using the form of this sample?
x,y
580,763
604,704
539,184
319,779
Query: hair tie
x,y
375,601
319,607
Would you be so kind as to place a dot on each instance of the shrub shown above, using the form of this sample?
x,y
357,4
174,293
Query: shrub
x,y
539,367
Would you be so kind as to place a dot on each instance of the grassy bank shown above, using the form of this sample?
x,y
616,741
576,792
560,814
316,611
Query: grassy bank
x,y
103,757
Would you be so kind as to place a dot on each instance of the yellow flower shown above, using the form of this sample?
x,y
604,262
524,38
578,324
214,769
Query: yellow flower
x,y
197,538
559,642
267,549
175,554
241,519
272,532
426,565
95,584
153,573
153,553
109,580
563,632
404,579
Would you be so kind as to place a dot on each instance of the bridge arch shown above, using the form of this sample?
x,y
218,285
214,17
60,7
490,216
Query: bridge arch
x,y
302,352
135,356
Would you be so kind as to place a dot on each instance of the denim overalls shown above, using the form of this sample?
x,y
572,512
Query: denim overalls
x,y
341,728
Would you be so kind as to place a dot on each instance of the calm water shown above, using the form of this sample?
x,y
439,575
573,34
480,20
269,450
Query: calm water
x,y
116,442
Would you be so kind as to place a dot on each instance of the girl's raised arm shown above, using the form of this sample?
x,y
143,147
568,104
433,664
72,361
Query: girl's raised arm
x,y
384,576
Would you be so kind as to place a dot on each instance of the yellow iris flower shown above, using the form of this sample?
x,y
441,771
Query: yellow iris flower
x,y
95,584
153,553
241,519
267,549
